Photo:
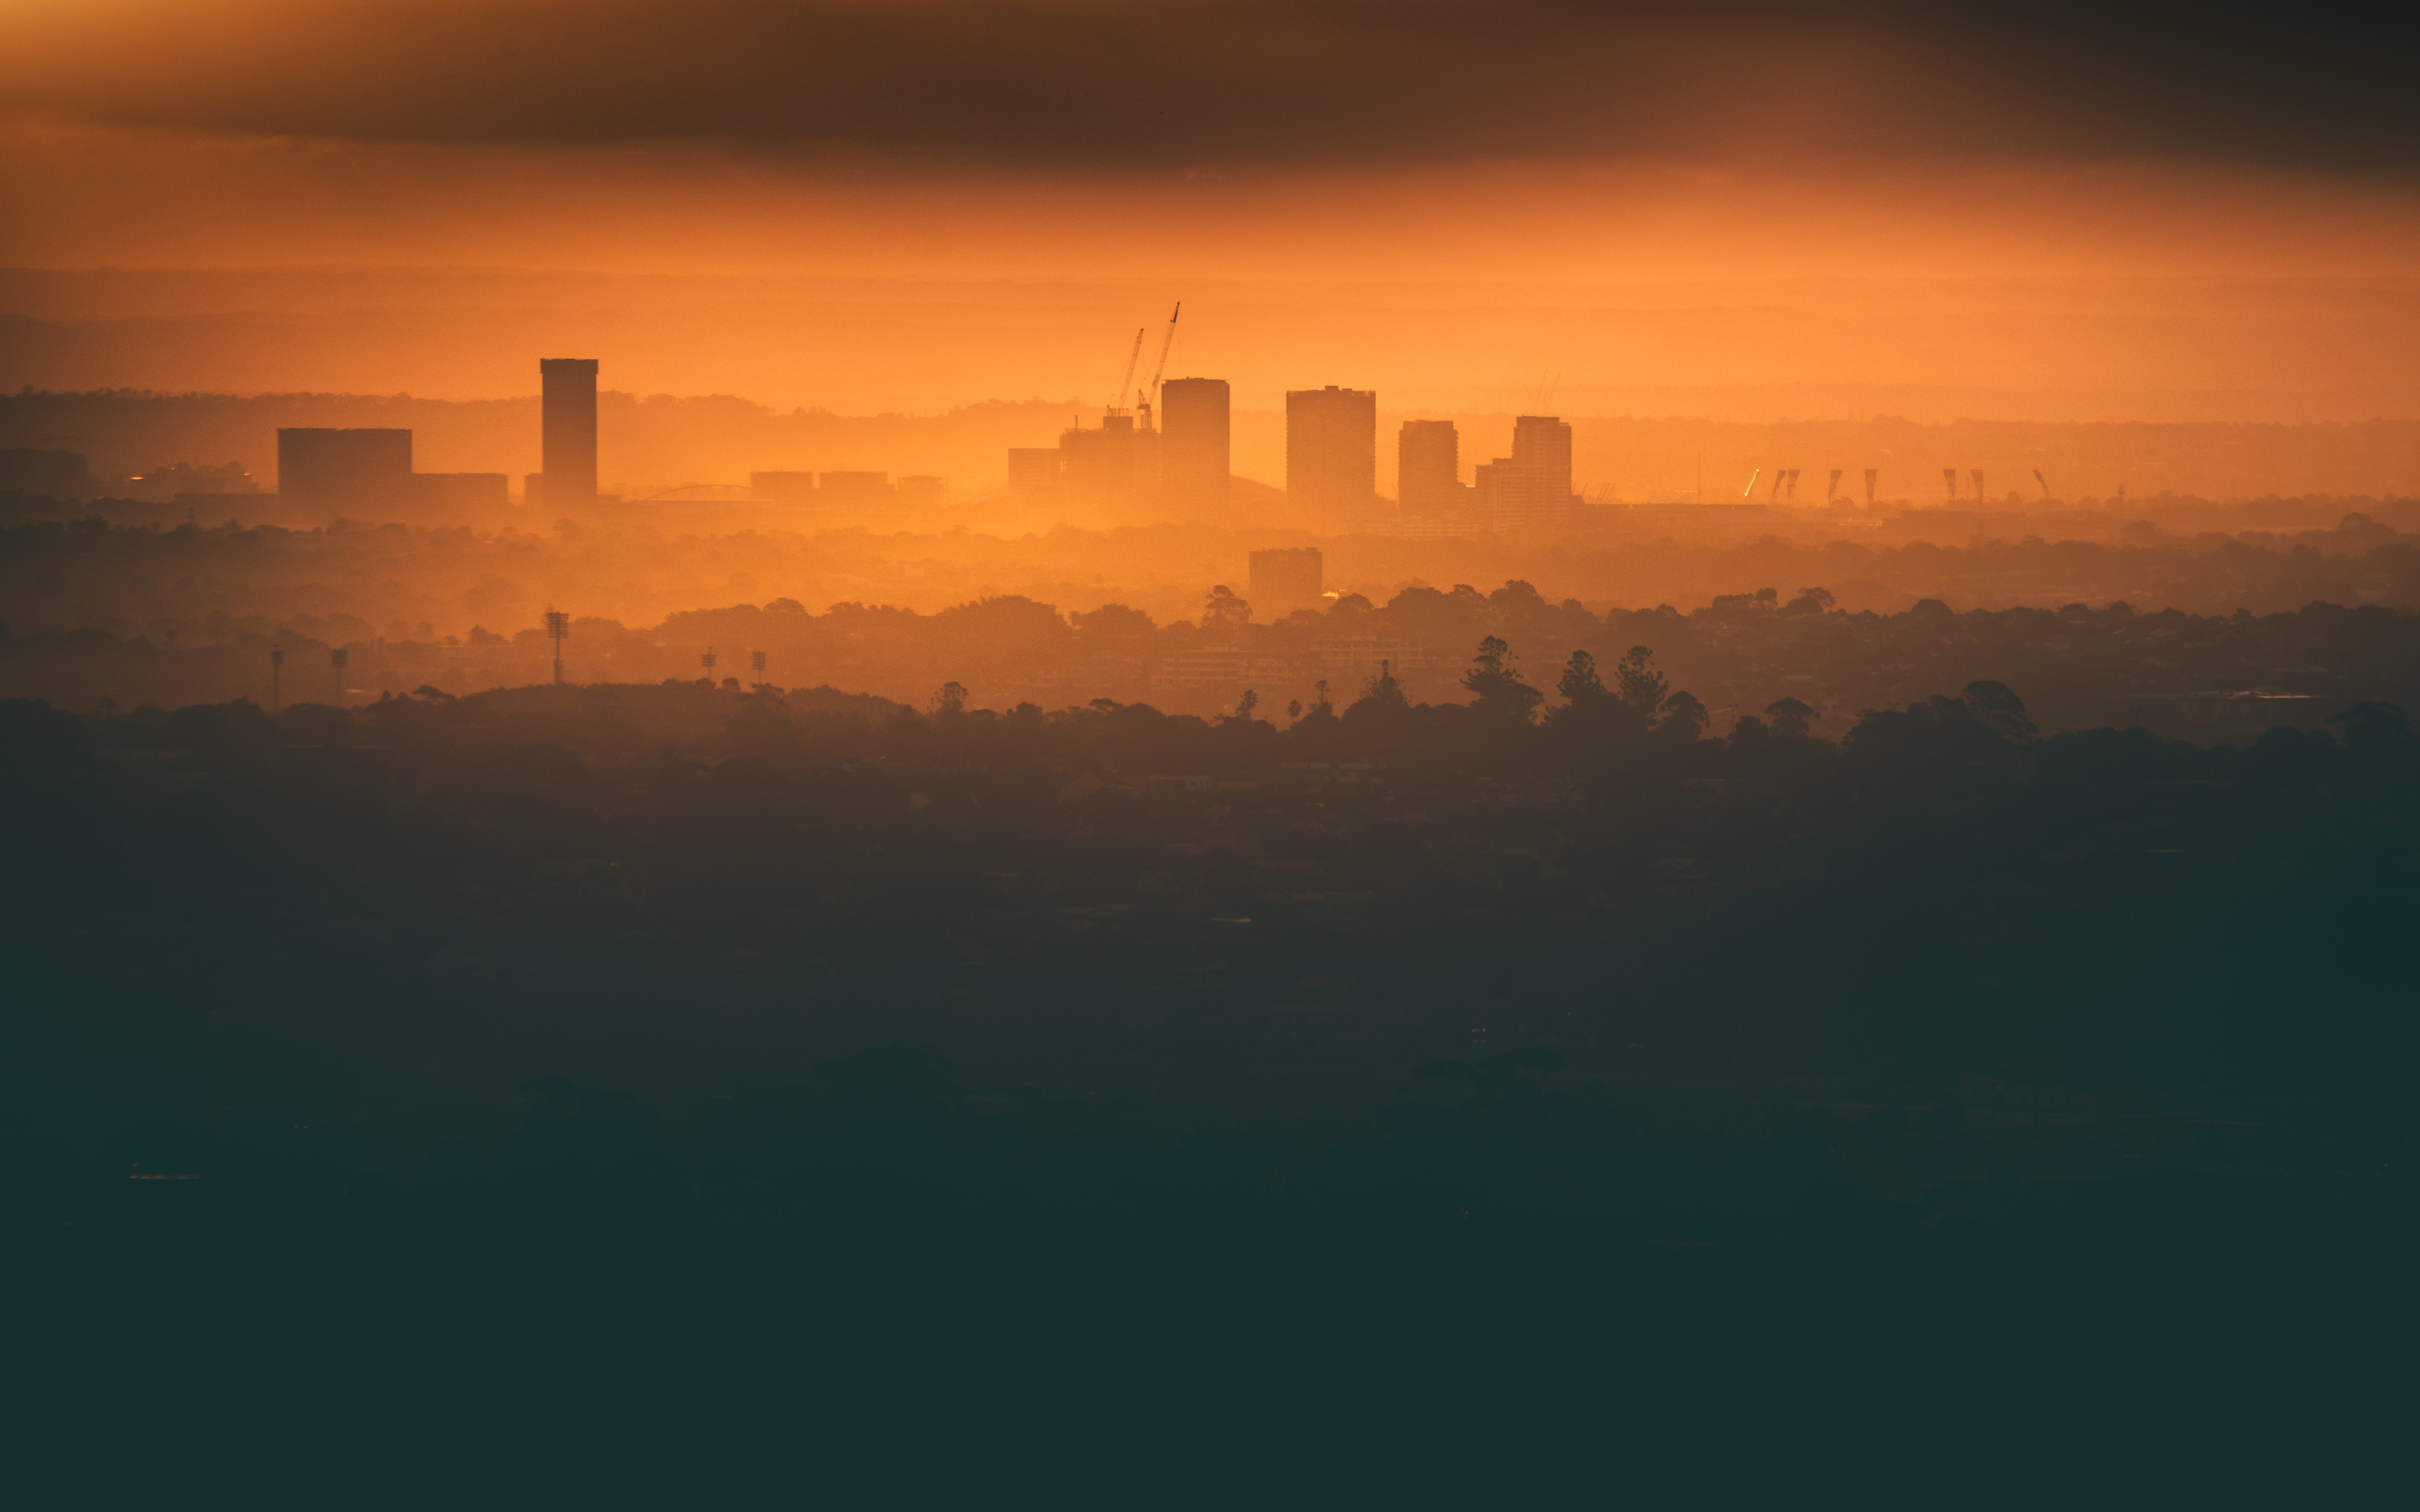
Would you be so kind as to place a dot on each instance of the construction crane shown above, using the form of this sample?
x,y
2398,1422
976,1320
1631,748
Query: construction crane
x,y
1147,400
1133,356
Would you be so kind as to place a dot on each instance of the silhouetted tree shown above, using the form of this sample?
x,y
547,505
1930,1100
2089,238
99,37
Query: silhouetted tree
x,y
2000,711
1642,686
1225,612
1580,683
1499,689
1683,716
949,699
1384,691
1789,717
2374,727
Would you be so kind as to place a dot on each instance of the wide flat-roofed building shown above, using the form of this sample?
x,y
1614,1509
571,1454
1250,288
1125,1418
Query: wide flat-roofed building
x,y
1286,578
783,486
34,470
344,468
456,494
858,489
1033,474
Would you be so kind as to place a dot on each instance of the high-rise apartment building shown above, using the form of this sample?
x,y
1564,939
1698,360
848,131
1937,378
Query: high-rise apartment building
x,y
1531,489
1332,456
1096,468
1428,467
344,468
568,451
1194,453
1543,444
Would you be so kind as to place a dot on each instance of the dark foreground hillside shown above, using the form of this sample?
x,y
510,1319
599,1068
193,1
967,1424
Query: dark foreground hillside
x,y
1483,1100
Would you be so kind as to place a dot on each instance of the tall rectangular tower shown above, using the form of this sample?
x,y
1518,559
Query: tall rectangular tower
x,y
1428,467
1194,456
1531,489
1332,456
1542,444
568,452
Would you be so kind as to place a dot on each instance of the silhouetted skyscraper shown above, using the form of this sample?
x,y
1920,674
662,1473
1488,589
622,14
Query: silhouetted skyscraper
x,y
344,467
1428,467
1531,489
1543,444
1194,447
1096,468
1332,456
569,449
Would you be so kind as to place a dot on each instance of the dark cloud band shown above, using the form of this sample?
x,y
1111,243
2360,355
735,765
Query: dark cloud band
x,y
1074,83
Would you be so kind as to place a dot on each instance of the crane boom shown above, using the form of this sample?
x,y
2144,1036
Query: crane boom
x,y
1165,343
1117,396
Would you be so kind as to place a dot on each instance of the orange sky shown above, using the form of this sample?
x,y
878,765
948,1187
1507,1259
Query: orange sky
x,y
1759,211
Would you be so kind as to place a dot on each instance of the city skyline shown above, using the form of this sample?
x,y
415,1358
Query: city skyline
x,y
1211,753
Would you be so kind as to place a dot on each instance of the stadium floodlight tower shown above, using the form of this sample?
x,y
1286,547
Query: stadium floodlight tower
x,y
558,625
756,665
706,661
336,660
276,663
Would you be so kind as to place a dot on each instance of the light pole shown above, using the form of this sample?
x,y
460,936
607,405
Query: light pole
x,y
706,661
276,661
337,659
558,625
756,665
